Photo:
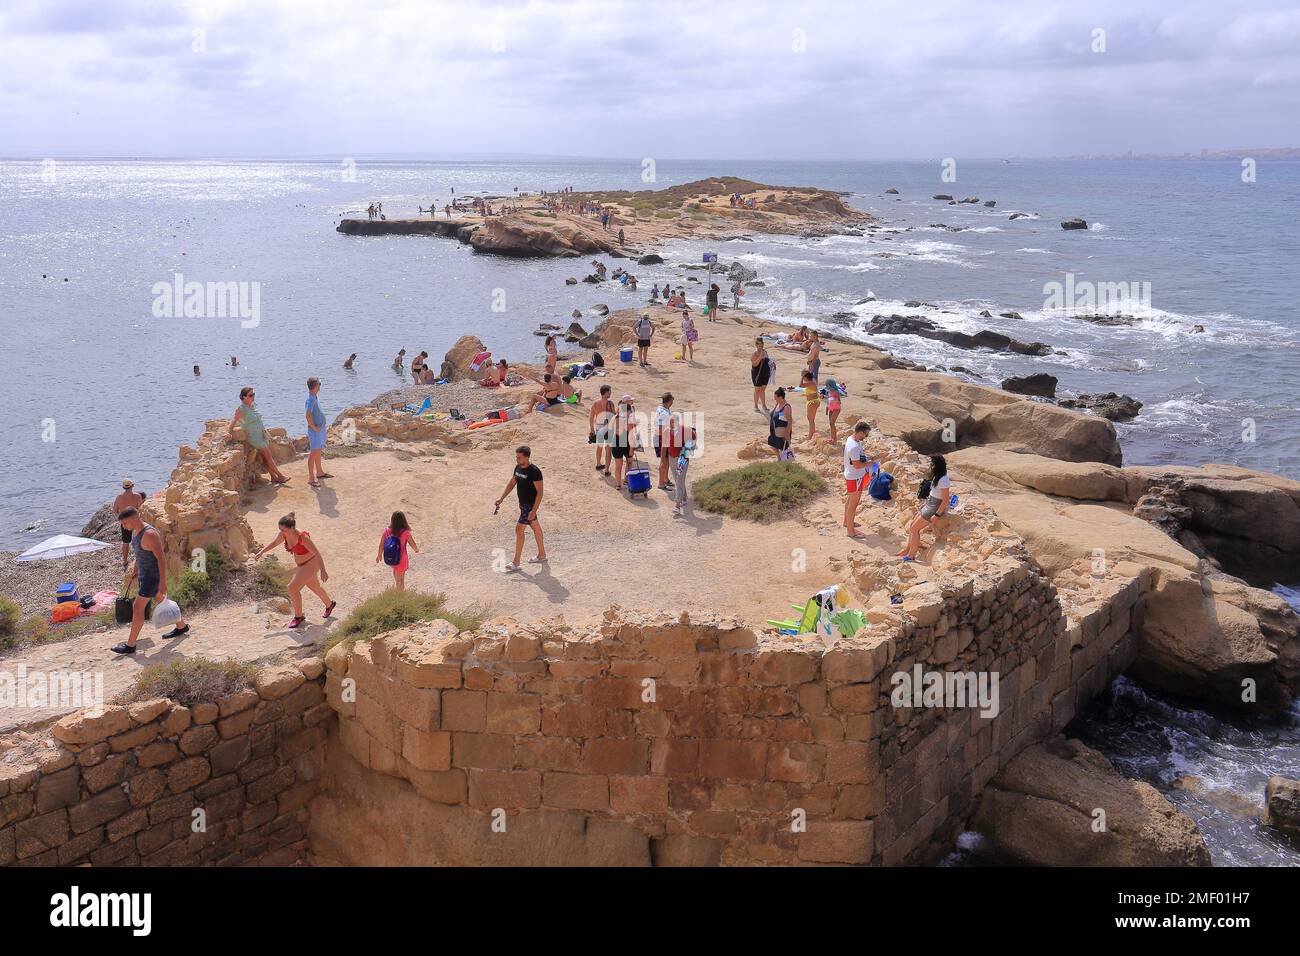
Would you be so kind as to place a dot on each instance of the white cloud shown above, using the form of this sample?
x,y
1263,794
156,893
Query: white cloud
x,y
629,78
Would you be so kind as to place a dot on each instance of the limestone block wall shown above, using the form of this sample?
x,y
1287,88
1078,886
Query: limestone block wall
x,y
121,787
659,742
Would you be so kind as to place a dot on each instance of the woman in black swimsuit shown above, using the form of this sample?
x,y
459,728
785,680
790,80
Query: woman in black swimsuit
x,y
760,374
779,426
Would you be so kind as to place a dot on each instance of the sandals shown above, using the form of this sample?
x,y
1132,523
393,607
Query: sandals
x,y
314,484
330,610
279,481
323,475
300,621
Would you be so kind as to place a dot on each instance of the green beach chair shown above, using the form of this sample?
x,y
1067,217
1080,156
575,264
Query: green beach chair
x,y
807,623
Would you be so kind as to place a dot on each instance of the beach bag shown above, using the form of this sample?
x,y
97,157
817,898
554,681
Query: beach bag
x,y
65,611
122,609
924,491
597,360
880,484
168,613
392,550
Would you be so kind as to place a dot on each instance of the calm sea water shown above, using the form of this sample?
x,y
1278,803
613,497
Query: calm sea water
x,y
96,387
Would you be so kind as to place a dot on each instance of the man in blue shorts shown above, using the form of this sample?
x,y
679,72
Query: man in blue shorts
x,y
315,435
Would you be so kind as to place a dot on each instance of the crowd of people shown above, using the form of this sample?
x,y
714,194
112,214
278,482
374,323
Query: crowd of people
x,y
619,434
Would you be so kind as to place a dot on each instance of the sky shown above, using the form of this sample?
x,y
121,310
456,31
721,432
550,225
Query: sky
x,y
759,79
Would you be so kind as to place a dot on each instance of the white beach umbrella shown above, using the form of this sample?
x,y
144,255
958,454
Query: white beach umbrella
x,y
61,546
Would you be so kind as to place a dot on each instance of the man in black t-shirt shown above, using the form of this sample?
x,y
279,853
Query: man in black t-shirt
x,y
527,482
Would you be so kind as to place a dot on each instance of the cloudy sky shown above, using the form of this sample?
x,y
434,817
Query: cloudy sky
x,y
721,79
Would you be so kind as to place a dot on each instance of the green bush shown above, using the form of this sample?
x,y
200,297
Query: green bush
x,y
10,616
761,491
190,588
11,613
216,562
271,578
393,609
193,680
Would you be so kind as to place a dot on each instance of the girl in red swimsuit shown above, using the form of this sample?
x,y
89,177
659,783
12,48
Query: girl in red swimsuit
x,y
309,561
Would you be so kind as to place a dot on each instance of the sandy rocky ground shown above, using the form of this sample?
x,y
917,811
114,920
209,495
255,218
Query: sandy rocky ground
x,y
605,549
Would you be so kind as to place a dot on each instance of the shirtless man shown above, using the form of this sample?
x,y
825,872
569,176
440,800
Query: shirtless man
x,y
129,498
602,410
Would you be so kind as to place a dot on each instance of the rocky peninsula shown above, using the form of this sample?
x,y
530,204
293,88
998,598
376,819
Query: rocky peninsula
x,y
532,228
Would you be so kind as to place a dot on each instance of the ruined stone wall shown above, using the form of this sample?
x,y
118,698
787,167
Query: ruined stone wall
x,y
651,742
119,788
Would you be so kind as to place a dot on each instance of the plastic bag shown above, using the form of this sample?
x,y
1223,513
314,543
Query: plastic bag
x,y
166,614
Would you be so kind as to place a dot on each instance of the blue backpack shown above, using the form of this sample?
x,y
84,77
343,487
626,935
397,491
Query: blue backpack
x,y
392,550
879,487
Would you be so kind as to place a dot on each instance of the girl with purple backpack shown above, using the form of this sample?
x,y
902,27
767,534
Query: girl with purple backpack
x,y
395,547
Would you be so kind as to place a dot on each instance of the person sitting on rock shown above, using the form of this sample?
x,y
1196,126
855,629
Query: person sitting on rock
x,y
550,395
936,504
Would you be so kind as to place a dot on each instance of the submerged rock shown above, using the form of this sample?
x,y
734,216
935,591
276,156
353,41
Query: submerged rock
x,y
1118,408
1074,224
1040,384
984,339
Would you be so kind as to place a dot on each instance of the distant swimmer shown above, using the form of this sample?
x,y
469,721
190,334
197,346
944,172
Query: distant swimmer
x,y
347,363
196,371
233,362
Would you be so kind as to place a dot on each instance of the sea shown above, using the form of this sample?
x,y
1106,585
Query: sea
x,y
99,381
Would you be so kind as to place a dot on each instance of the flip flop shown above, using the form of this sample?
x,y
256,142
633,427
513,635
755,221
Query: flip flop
x,y
325,476
314,484
279,481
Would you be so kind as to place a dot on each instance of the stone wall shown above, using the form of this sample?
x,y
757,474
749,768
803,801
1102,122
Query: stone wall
x,y
654,742
121,787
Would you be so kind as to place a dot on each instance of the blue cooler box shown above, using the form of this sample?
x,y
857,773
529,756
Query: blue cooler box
x,y
638,480
66,592
625,355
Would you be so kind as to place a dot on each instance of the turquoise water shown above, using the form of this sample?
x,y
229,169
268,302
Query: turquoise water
x,y
90,367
